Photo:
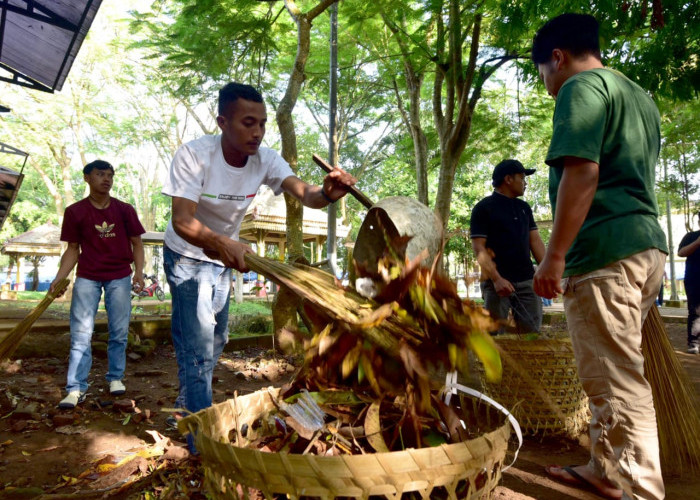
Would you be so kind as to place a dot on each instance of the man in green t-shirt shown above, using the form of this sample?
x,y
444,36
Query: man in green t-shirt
x,y
608,246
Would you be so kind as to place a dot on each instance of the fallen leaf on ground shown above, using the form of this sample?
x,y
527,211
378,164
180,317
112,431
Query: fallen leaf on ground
x,y
120,473
49,448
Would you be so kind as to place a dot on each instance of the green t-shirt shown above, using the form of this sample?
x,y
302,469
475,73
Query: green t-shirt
x,y
602,116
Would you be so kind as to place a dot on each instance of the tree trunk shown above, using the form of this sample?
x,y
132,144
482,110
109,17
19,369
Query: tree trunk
x,y
285,313
411,117
443,200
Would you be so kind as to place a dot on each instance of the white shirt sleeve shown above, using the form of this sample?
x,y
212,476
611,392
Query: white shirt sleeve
x,y
278,170
186,176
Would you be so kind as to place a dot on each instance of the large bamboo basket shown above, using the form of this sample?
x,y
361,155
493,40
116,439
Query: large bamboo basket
x,y
540,386
472,468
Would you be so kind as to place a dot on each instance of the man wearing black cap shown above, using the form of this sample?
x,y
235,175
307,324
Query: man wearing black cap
x,y
504,234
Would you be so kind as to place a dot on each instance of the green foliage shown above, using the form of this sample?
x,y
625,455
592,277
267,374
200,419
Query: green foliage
x,y
655,44
680,156
144,85
25,215
241,41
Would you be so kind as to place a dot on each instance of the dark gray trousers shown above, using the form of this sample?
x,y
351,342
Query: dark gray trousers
x,y
526,305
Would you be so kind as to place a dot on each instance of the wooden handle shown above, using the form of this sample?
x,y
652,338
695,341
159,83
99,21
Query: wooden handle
x,y
11,341
359,195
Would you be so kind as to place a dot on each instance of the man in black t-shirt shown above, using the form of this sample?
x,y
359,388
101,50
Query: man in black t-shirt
x,y
504,234
688,248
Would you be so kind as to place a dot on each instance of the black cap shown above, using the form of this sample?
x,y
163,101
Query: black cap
x,y
509,167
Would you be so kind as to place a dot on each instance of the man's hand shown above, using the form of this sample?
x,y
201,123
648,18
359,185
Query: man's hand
x,y
337,182
52,287
231,253
503,287
137,282
547,280
577,188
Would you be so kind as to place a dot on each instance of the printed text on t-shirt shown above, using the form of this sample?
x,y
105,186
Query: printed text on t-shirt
x,y
232,197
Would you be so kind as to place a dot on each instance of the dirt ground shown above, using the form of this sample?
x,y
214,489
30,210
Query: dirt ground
x,y
59,453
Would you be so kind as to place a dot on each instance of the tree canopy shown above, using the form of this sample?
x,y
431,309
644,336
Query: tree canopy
x,y
432,94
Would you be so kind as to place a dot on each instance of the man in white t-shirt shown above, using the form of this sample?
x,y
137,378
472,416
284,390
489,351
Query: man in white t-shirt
x,y
212,181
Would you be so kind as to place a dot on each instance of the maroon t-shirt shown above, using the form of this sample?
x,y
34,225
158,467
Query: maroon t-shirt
x,y
103,236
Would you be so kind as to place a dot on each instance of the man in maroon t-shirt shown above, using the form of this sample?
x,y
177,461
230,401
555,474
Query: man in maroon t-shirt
x,y
104,238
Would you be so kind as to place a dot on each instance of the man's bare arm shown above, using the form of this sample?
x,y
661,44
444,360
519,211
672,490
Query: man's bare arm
x,y
68,261
577,188
139,259
537,245
230,252
335,186
488,268
689,249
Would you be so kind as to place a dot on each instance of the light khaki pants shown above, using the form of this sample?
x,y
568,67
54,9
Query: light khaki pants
x,y
605,310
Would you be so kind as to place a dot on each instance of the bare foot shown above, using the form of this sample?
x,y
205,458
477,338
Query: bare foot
x,y
583,477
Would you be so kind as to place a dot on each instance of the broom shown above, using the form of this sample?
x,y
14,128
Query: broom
x,y
675,400
9,344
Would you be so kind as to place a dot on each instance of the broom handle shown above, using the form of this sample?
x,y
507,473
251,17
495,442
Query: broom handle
x,y
11,341
359,195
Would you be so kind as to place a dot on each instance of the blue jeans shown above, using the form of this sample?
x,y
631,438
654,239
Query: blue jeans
x,y
200,297
83,307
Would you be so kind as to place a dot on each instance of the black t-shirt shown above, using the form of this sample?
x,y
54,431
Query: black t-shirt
x,y
506,224
692,261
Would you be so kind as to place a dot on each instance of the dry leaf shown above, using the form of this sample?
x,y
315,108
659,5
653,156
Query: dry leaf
x,y
373,429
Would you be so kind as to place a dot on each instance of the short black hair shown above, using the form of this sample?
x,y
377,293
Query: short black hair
x,y
233,91
576,33
97,164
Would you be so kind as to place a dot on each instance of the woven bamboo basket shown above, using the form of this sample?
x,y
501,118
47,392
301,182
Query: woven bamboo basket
x,y
470,469
540,386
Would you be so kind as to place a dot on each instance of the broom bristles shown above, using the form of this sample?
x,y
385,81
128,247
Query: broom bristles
x,y
9,344
675,399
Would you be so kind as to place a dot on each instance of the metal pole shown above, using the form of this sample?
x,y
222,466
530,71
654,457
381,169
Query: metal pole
x,y
331,240
671,260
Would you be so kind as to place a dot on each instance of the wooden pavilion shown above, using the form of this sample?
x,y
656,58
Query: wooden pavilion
x,y
41,241
265,222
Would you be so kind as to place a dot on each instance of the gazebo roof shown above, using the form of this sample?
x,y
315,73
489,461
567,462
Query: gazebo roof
x,y
268,213
42,240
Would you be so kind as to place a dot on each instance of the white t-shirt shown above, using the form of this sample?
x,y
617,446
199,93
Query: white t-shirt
x,y
199,173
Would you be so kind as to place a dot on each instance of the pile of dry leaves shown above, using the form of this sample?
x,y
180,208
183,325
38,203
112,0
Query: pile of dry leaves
x,y
370,376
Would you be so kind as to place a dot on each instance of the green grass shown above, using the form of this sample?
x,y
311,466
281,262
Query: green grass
x,y
30,295
28,300
57,309
249,308
250,317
